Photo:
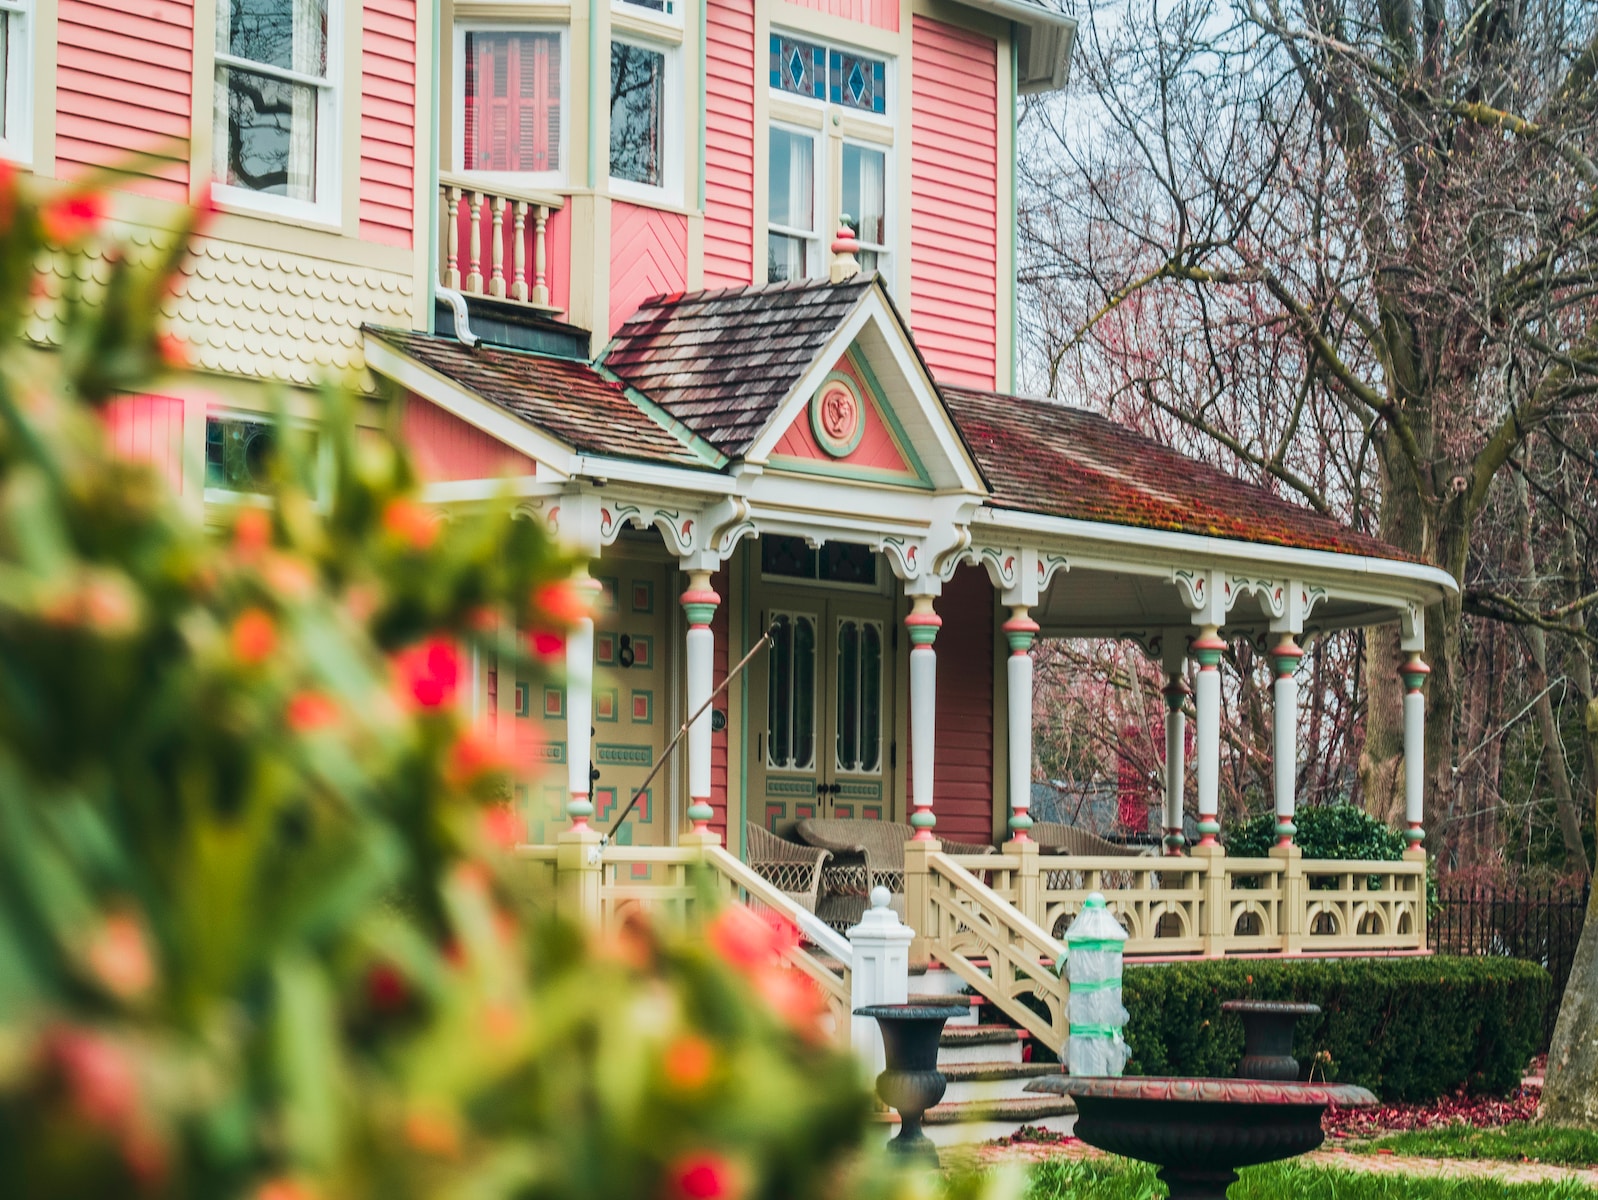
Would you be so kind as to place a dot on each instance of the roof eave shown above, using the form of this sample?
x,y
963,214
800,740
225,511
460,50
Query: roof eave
x,y
1044,40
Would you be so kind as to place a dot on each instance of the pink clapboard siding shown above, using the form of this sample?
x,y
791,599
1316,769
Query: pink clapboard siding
x,y
149,429
447,448
884,14
954,163
962,782
648,257
877,450
123,78
729,143
388,122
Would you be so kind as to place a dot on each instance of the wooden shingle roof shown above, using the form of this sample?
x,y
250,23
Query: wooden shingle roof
x,y
569,400
1067,462
722,361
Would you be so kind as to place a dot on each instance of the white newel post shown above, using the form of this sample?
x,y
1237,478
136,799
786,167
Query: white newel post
x,y
699,602
1414,672
580,710
1020,630
1207,649
922,625
1285,657
879,973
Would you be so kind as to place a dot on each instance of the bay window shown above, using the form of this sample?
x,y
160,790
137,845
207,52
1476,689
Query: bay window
x,y
275,102
511,101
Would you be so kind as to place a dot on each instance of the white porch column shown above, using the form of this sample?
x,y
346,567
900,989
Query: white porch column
x,y
922,625
1176,693
1020,630
1207,649
699,601
1414,672
1285,657
580,708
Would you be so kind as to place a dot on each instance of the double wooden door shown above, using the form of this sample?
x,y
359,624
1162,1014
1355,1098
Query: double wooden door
x,y
822,706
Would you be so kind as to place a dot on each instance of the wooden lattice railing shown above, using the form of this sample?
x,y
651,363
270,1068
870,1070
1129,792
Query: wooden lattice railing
x,y
986,940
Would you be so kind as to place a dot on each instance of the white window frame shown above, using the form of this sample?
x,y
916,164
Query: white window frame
x,y
524,179
819,236
883,251
669,189
16,139
327,207
668,22
226,497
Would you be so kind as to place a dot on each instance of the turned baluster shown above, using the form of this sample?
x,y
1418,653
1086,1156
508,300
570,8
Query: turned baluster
x,y
452,238
474,267
518,282
540,284
496,253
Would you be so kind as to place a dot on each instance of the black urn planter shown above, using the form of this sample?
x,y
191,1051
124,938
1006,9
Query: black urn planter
x,y
912,1083
1268,1037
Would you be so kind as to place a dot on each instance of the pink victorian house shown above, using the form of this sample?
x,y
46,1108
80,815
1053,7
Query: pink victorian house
x,y
723,291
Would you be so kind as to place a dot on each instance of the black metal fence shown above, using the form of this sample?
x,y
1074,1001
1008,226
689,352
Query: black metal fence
x,y
1541,925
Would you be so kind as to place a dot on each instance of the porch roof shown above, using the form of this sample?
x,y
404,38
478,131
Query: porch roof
x,y
1060,461
569,400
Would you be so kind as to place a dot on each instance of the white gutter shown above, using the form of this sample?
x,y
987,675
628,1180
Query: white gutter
x,y
1044,38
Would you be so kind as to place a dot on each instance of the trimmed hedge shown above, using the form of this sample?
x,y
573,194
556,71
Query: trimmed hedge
x,y
1407,1028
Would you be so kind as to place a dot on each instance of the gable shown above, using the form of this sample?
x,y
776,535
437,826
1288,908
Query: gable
x,y
447,449
847,430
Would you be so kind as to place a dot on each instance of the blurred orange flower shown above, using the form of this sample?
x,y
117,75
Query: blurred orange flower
x,y
119,956
310,710
254,636
548,646
502,827
285,1189
172,351
748,940
477,752
562,602
410,523
99,1076
252,532
687,1062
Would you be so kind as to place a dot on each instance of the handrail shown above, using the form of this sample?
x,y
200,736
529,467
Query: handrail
x,y
819,932
493,187
962,912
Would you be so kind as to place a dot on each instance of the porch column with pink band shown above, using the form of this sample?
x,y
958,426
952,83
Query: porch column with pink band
x,y
699,602
922,625
1019,631
1207,649
1285,657
580,706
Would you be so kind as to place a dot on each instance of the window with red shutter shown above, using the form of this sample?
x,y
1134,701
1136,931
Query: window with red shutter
x,y
512,101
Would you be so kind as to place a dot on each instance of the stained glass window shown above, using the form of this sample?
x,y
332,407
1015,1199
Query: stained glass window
x,y
799,67
856,81
238,454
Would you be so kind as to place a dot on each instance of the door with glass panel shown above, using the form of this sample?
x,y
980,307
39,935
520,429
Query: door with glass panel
x,y
824,747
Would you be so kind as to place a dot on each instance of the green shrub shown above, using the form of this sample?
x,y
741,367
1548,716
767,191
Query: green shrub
x,y
1407,1028
1335,831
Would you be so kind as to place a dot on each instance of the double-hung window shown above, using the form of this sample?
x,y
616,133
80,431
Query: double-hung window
x,y
512,101
276,116
830,155
16,91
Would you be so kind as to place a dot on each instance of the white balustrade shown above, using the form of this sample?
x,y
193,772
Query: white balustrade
x,y
486,234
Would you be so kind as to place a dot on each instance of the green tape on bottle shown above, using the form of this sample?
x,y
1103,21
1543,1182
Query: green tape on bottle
x,y
1094,944
1095,1031
1096,985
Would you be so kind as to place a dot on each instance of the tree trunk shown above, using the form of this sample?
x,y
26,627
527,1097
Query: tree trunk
x,y
1570,1090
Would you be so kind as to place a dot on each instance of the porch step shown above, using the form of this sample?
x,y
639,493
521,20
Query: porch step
x,y
989,1044
964,1005
992,1081
935,980
965,1123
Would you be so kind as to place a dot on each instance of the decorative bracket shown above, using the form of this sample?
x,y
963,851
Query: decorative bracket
x,y
1272,594
905,557
1208,595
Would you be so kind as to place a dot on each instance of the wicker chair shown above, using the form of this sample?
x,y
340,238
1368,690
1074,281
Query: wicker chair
x,y
874,857
792,869
1069,840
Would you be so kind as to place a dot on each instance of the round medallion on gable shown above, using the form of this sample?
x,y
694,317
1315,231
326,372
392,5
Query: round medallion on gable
x,y
837,416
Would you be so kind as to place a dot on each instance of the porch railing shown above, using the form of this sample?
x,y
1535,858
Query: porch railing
x,y
494,240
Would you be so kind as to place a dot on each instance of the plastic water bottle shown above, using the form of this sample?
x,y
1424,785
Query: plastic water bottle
x,y
1094,944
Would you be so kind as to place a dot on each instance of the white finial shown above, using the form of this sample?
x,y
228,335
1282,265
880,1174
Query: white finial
x,y
845,246
880,897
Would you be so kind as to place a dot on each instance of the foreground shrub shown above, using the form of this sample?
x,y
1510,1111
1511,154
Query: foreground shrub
x,y
1407,1028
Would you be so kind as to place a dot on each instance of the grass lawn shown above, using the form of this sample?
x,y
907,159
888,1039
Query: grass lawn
x,y
1120,1179
1518,1140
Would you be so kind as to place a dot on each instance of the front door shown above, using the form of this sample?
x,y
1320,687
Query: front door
x,y
823,744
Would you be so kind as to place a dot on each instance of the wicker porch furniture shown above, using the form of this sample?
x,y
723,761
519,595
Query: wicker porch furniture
x,y
1069,840
792,869
866,854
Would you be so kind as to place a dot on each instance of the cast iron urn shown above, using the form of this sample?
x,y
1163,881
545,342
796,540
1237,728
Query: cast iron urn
x,y
912,1083
1268,1037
